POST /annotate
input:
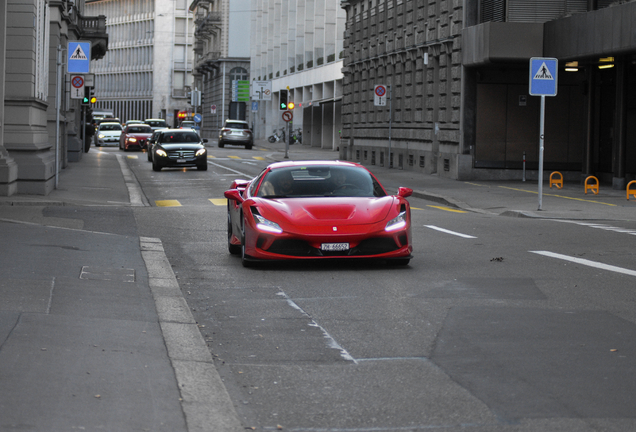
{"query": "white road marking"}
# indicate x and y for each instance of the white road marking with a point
(601, 226)
(586, 262)
(331, 342)
(230, 169)
(449, 232)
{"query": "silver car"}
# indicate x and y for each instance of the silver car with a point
(108, 133)
(236, 132)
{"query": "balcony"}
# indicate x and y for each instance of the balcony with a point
(93, 29)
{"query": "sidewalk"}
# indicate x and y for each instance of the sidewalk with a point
(504, 197)
(94, 331)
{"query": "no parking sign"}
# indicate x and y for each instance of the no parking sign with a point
(379, 95)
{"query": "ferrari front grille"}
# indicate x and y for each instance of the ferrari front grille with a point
(300, 248)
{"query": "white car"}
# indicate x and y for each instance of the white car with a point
(108, 134)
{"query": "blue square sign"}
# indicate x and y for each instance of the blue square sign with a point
(543, 76)
(79, 57)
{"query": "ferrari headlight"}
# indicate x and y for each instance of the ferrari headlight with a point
(267, 225)
(161, 153)
(200, 152)
(396, 223)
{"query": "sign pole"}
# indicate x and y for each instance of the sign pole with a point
(390, 123)
(541, 146)
(543, 82)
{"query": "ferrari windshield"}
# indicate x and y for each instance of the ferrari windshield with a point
(319, 181)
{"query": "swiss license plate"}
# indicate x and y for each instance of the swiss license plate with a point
(181, 160)
(334, 246)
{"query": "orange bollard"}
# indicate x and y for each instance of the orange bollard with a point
(592, 187)
(558, 182)
(631, 191)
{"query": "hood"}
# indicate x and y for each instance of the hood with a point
(109, 133)
(325, 211)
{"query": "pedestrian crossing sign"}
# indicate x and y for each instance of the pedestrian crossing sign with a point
(543, 76)
(78, 60)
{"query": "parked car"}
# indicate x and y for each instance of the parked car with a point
(299, 210)
(179, 148)
(135, 136)
(236, 132)
(156, 124)
(129, 122)
(107, 133)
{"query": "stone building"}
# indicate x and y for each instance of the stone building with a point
(221, 53)
(297, 45)
(457, 72)
(40, 125)
(147, 71)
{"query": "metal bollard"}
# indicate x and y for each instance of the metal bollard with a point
(524, 167)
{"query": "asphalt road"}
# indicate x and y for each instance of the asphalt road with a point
(492, 327)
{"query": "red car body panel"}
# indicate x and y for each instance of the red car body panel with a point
(302, 225)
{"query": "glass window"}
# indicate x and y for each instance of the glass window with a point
(319, 181)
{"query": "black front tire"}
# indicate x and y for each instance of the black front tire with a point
(244, 258)
(156, 166)
(202, 167)
(221, 144)
(232, 248)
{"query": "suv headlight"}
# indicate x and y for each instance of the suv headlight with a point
(200, 152)
(161, 153)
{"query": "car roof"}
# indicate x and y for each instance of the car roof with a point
(110, 123)
(153, 119)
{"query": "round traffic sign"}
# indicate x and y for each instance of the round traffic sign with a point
(288, 116)
(197, 118)
(380, 90)
(78, 81)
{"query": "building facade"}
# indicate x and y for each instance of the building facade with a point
(222, 62)
(458, 76)
(297, 45)
(147, 71)
(40, 125)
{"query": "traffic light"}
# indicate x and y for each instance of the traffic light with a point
(93, 98)
(87, 96)
(290, 105)
(283, 100)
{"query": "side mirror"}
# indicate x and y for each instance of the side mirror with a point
(205, 140)
(405, 192)
(234, 195)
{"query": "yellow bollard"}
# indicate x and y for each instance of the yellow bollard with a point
(558, 182)
(592, 187)
(631, 191)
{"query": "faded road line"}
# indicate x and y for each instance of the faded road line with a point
(586, 262)
(449, 232)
